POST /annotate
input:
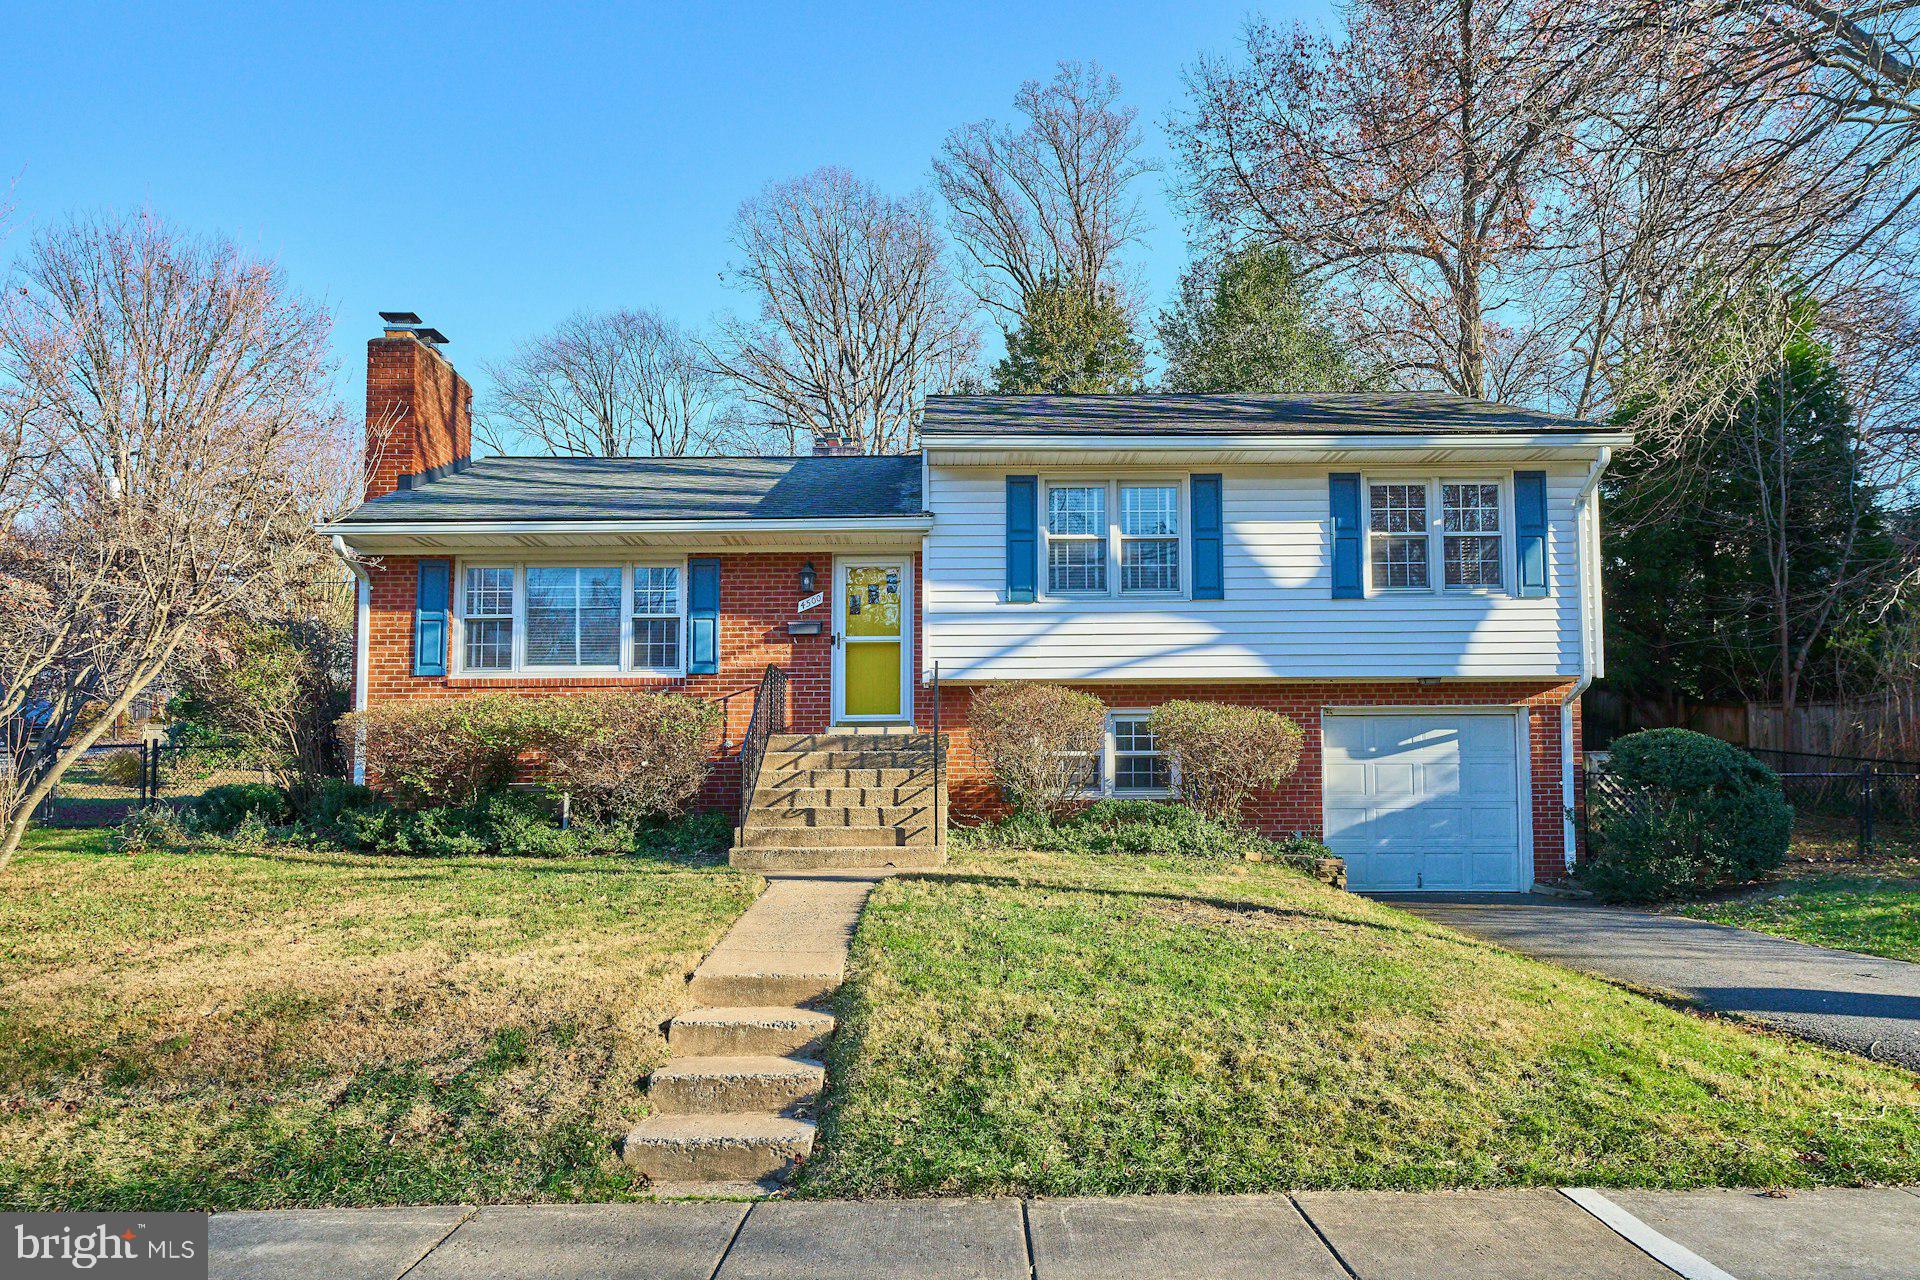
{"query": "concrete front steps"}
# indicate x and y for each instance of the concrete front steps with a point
(848, 798)
(735, 1101)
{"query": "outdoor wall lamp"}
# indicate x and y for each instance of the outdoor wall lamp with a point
(806, 578)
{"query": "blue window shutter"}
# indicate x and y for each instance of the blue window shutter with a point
(1209, 576)
(1023, 537)
(1343, 496)
(432, 591)
(1530, 526)
(703, 616)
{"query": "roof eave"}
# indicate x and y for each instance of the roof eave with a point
(452, 528)
(1277, 444)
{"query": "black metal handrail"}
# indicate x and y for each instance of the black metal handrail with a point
(769, 717)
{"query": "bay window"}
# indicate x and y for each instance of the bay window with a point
(548, 618)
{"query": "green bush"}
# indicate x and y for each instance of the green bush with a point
(152, 829)
(625, 756)
(222, 809)
(1141, 827)
(701, 833)
(1223, 753)
(123, 769)
(441, 752)
(1683, 813)
(1039, 740)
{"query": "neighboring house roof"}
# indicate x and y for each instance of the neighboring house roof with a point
(1385, 413)
(574, 489)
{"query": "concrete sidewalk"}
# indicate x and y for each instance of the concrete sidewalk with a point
(1860, 1003)
(1849, 1234)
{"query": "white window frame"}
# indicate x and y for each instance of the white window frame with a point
(458, 617)
(1436, 535)
(520, 669)
(1104, 786)
(1113, 484)
(629, 615)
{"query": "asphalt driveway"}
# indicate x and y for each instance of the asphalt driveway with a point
(1860, 1003)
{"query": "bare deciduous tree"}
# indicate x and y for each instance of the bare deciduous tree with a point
(1052, 199)
(182, 394)
(615, 384)
(856, 318)
(1409, 161)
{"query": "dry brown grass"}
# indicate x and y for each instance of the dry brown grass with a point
(456, 1030)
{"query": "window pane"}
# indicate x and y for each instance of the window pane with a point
(1149, 510)
(1399, 562)
(1140, 773)
(1473, 561)
(489, 644)
(1150, 564)
(656, 643)
(1132, 735)
(489, 591)
(1397, 508)
(656, 591)
(1470, 508)
(599, 617)
(1076, 509)
(551, 601)
(1077, 565)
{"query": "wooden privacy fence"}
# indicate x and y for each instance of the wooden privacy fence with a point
(1887, 728)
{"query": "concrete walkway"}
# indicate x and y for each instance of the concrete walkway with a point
(1850, 1001)
(1859, 1234)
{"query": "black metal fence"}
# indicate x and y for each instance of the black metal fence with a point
(112, 779)
(1869, 804)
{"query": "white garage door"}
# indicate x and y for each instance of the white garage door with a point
(1424, 800)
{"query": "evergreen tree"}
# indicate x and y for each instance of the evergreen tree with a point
(1071, 341)
(1248, 323)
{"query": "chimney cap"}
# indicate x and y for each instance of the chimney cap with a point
(399, 322)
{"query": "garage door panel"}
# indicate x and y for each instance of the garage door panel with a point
(1423, 800)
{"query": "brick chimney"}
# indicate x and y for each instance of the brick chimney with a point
(829, 442)
(419, 411)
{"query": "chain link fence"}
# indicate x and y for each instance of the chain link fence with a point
(113, 779)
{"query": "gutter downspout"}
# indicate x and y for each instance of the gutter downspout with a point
(1586, 516)
(362, 611)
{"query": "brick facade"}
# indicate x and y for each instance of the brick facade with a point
(1296, 805)
(758, 590)
(419, 413)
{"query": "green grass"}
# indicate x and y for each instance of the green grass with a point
(1063, 1024)
(215, 1030)
(1827, 895)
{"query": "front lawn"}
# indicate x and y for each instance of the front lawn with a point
(1063, 1024)
(223, 1030)
(1826, 895)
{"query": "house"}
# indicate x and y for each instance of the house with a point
(1413, 578)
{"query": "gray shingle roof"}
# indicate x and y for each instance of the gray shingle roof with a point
(1391, 412)
(658, 489)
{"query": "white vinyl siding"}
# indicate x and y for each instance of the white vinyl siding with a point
(1277, 619)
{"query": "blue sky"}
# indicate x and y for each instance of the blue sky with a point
(495, 167)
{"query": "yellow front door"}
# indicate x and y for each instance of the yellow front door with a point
(871, 616)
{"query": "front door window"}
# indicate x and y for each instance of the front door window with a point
(871, 622)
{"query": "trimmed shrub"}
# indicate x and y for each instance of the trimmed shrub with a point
(440, 752)
(1684, 814)
(222, 809)
(1150, 827)
(626, 757)
(1222, 754)
(1038, 739)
